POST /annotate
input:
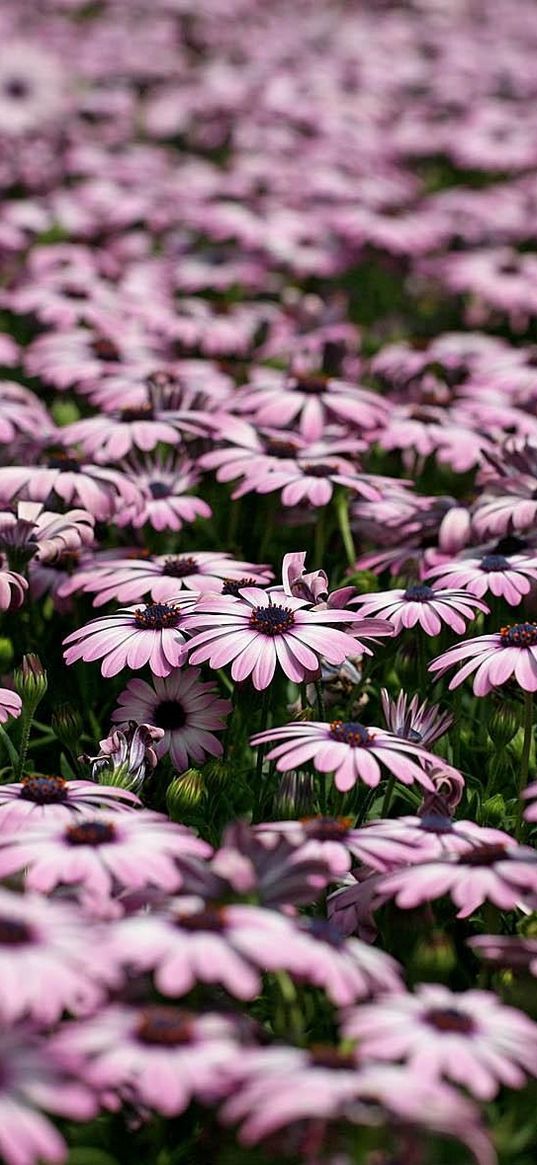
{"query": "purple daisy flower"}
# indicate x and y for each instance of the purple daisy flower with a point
(470, 1037)
(421, 604)
(508, 577)
(128, 580)
(40, 798)
(257, 633)
(421, 723)
(510, 652)
(187, 710)
(349, 750)
(501, 873)
(133, 637)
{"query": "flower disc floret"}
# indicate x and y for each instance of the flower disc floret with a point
(448, 1019)
(14, 933)
(420, 593)
(519, 635)
(44, 790)
(156, 616)
(164, 1027)
(494, 562)
(272, 620)
(91, 833)
(179, 567)
(348, 732)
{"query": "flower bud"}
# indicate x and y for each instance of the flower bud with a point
(30, 681)
(185, 793)
(503, 725)
(66, 723)
(216, 775)
(295, 796)
(435, 956)
(365, 581)
(126, 756)
(6, 654)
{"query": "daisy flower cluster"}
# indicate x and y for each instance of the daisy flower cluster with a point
(268, 582)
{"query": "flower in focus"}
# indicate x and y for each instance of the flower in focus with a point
(421, 723)
(495, 658)
(349, 750)
(420, 604)
(470, 1037)
(125, 755)
(133, 637)
(257, 633)
(10, 704)
(186, 711)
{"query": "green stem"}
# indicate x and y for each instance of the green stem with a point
(258, 791)
(320, 701)
(27, 722)
(10, 748)
(320, 536)
(342, 511)
(525, 758)
(388, 797)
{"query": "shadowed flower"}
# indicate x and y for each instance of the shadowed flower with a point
(125, 755)
(506, 951)
(44, 798)
(510, 652)
(509, 577)
(502, 873)
(420, 604)
(133, 637)
(472, 1038)
(421, 723)
(186, 711)
(12, 590)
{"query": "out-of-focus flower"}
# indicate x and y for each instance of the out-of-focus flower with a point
(36, 532)
(32, 92)
(422, 605)
(502, 873)
(12, 590)
(163, 499)
(39, 797)
(186, 711)
(510, 577)
(10, 704)
(503, 950)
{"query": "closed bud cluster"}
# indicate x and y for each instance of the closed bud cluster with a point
(30, 681)
(216, 775)
(185, 793)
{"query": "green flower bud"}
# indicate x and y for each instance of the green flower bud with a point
(66, 723)
(185, 793)
(295, 796)
(6, 654)
(503, 725)
(65, 412)
(364, 580)
(435, 956)
(30, 681)
(216, 775)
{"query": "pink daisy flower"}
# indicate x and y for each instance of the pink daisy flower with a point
(10, 704)
(128, 580)
(133, 637)
(95, 488)
(163, 500)
(389, 843)
(495, 658)
(36, 532)
(421, 723)
(503, 874)
(506, 951)
(349, 750)
(309, 400)
(13, 588)
(309, 478)
(34, 1077)
(100, 853)
(472, 1038)
(257, 634)
(510, 578)
(44, 941)
(157, 1057)
(188, 711)
(270, 868)
(44, 798)
(422, 605)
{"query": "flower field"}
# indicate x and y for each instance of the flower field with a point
(268, 582)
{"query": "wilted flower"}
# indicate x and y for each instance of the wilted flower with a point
(126, 756)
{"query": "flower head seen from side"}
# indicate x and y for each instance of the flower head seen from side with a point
(510, 577)
(421, 605)
(349, 750)
(187, 711)
(421, 723)
(495, 659)
(472, 1037)
(126, 756)
(133, 637)
(256, 633)
(33, 532)
(163, 576)
(42, 798)
(13, 588)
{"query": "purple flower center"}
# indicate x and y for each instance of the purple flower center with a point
(142, 413)
(170, 715)
(485, 855)
(420, 593)
(311, 385)
(327, 828)
(331, 1058)
(448, 1019)
(211, 918)
(282, 449)
(179, 567)
(14, 933)
(165, 1026)
(64, 462)
(17, 88)
(156, 617)
(232, 586)
(493, 562)
(91, 833)
(272, 620)
(159, 490)
(349, 732)
(44, 790)
(519, 635)
(318, 470)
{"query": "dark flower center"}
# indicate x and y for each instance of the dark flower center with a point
(484, 855)
(105, 349)
(64, 462)
(159, 490)
(273, 620)
(169, 715)
(317, 470)
(17, 88)
(519, 635)
(311, 385)
(179, 567)
(156, 617)
(142, 413)
(91, 833)
(494, 562)
(448, 1019)
(327, 828)
(14, 933)
(321, 1057)
(349, 732)
(232, 586)
(420, 593)
(210, 918)
(165, 1026)
(284, 449)
(44, 790)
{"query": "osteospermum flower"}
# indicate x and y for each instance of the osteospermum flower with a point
(12, 589)
(46, 798)
(349, 750)
(310, 401)
(98, 489)
(503, 950)
(133, 637)
(187, 710)
(100, 853)
(472, 1038)
(422, 605)
(503, 874)
(36, 532)
(421, 723)
(161, 578)
(510, 652)
(10, 704)
(257, 633)
(163, 501)
(44, 941)
(509, 577)
(158, 1057)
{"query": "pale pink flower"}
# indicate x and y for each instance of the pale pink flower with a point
(470, 1037)
(38, 798)
(349, 750)
(10, 704)
(163, 499)
(98, 489)
(505, 950)
(31, 88)
(495, 658)
(502, 873)
(187, 711)
(308, 401)
(511, 578)
(423, 606)
(162, 576)
(257, 634)
(133, 637)
(33, 532)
